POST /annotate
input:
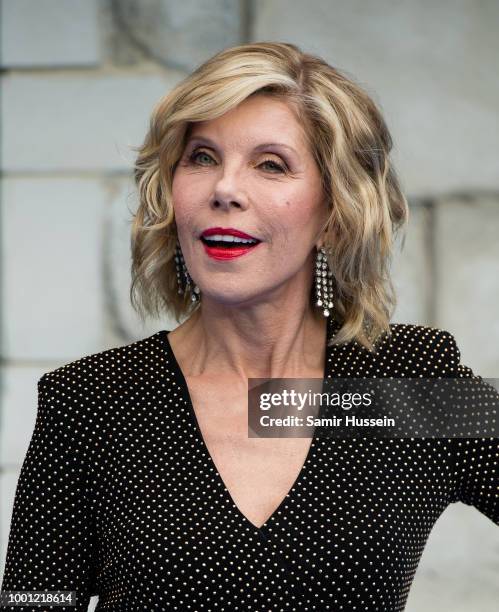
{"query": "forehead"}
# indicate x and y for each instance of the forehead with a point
(256, 118)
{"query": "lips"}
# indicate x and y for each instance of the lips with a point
(227, 250)
(227, 231)
(227, 243)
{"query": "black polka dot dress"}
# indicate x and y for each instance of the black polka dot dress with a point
(118, 495)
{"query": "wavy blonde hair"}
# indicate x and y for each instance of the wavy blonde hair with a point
(350, 143)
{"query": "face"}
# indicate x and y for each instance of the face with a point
(250, 170)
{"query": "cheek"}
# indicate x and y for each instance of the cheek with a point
(183, 197)
(314, 208)
(301, 211)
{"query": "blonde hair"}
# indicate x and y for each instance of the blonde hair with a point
(350, 143)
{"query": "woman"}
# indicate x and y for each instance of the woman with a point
(268, 205)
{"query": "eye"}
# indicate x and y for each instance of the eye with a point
(197, 154)
(193, 157)
(274, 164)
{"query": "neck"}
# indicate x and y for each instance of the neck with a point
(245, 344)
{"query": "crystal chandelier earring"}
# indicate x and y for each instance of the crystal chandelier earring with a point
(323, 282)
(187, 285)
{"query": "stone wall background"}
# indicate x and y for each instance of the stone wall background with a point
(79, 79)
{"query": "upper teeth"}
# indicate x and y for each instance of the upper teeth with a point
(228, 238)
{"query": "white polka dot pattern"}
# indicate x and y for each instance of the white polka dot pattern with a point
(118, 495)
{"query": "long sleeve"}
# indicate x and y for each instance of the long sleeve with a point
(476, 460)
(51, 541)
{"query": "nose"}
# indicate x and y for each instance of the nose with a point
(224, 203)
(228, 192)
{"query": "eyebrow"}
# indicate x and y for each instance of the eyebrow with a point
(260, 147)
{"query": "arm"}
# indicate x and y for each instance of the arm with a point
(51, 541)
(476, 460)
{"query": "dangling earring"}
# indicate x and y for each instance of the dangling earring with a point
(181, 268)
(323, 282)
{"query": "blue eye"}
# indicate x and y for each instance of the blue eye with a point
(276, 168)
(194, 155)
(275, 164)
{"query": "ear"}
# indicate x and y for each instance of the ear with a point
(320, 242)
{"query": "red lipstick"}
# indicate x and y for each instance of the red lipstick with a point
(228, 231)
(221, 247)
(227, 253)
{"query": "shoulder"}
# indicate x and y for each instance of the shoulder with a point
(81, 399)
(408, 349)
(108, 370)
(413, 335)
(427, 350)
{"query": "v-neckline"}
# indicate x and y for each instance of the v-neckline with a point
(194, 421)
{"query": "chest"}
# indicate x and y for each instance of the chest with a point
(257, 472)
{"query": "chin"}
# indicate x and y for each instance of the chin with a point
(230, 298)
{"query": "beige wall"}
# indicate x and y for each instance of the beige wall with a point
(78, 87)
